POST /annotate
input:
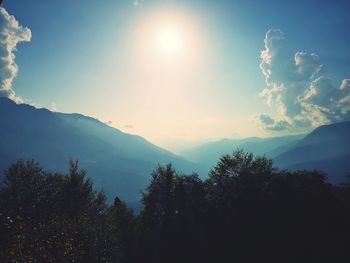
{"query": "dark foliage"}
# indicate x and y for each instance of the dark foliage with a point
(48, 217)
(246, 211)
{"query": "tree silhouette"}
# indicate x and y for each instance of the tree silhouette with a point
(245, 211)
(47, 217)
(123, 232)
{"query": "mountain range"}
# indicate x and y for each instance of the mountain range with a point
(208, 154)
(121, 163)
(327, 148)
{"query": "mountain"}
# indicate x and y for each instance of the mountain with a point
(208, 154)
(327, 148)
(118, 162)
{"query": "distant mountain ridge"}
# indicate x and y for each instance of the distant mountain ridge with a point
(327, 148)
(208, 154)
(118, 162)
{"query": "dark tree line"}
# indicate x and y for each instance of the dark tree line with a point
(246, 211)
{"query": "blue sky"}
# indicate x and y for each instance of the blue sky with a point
(84, 57)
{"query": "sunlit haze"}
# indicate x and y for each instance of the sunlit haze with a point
(179, 73)
(175, 131)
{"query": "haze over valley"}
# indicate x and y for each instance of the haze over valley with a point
(174, 131)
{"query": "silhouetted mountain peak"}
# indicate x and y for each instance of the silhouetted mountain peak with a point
(6, 100)
(80, 117)
(329, 132)
(118, 162)
(324, 147)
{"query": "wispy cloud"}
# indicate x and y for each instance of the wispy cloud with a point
(296, 89)
(137, 2)
(11, 33)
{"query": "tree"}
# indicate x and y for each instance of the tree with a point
(48, 217)
(254, 206)
(27, 200)
(246, 211)
(171, 216)
(122, 225)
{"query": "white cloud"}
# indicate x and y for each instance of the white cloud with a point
(345, 84)
(270, 124)
(343, 98)
(308, 65)
(297, 90)
(11, 33)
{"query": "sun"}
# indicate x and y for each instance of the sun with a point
(167, 41)
(170, 41)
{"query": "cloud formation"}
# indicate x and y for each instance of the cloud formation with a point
(11, 33)
(270, 124)
(296, 89)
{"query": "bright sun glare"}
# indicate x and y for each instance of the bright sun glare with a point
(167, 51)
(167, 38)
(170, 41)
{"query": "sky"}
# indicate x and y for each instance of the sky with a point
(181, 72)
